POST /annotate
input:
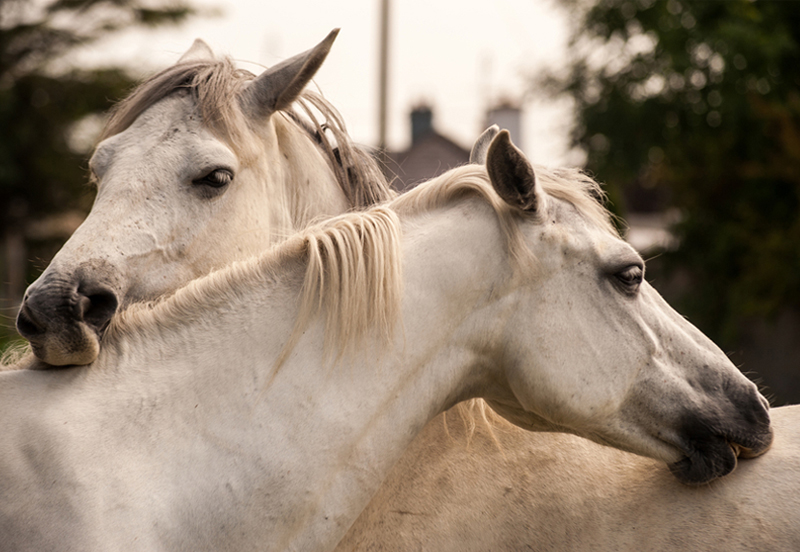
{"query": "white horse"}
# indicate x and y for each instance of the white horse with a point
(463, 486)
(203, 164)
(216, 418)
(134, 244)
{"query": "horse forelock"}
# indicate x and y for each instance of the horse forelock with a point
(582, 191)
(215, 85)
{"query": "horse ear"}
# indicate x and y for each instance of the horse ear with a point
(280, 85)
(478, 154)
(512, 174)
(199, 51)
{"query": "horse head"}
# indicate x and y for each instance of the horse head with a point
(202, 165)
(612, 361)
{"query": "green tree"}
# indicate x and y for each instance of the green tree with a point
(696, 105)
(42, 97)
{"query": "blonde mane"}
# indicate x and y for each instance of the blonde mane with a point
(215, 85)
(571, 185)
(461, 182)
(354, 276)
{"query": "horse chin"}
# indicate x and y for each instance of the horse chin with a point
(702, 468)
(715, 461)
(78, 345)
(710, 456)
(745, 452)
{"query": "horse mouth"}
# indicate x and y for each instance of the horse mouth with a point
(717, 458)
(78, 344)
(745, 452)
(65, 327)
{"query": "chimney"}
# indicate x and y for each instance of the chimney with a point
(421, 122)
(508, 116)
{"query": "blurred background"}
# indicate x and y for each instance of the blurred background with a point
(689, 112)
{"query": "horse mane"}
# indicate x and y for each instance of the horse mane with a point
(465, 181)
(214, 85)
(353, 275)
(358, 173)
(571, 185)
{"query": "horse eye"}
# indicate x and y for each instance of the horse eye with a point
(631, 278)
(218, 178)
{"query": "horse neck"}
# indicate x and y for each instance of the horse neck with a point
(324, 434)
(310, 185)
(365, 412)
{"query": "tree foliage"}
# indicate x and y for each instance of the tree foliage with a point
(40, 101)
(696, 105)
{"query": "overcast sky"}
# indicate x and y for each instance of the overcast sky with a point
(456, 55)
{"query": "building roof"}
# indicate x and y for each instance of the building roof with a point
(429, 155)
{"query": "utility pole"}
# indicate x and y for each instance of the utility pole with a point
(383, 83)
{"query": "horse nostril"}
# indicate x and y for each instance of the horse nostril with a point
(96, 309)
(26, 325)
